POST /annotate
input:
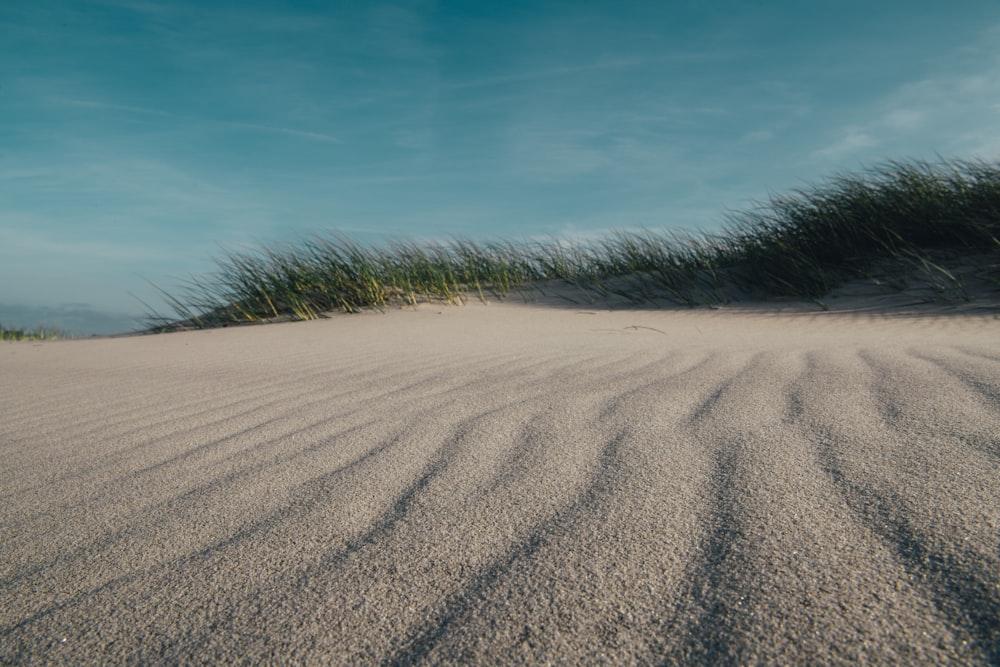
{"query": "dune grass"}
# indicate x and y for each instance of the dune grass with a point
(37, 333)
(898, 217)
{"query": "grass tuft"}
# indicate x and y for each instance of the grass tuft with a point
(900, 217)
(38, 333)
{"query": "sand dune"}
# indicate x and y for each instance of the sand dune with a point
(507, 484)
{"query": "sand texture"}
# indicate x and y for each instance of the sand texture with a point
(504, 483)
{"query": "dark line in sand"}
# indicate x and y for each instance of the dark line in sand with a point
(294, 507)
(962, 593)
(716, 579)
(715, 591)
(459, 604)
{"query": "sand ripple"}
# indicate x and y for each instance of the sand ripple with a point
(506, 484)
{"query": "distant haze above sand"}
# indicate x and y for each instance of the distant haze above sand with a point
(138, 137)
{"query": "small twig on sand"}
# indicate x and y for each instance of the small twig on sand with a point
(638, 326)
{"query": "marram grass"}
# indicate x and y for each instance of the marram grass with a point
(39, 333)
(905, 215)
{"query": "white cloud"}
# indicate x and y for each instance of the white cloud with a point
(904, 119)
(851, 140)
(950, 111)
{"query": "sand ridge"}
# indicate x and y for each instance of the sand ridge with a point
(507, 484)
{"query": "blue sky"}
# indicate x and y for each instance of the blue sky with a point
(139, 137)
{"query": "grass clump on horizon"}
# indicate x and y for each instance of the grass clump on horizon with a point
(38, 333)
(899, 216)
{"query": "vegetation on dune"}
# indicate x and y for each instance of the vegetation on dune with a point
(898, 217)
(40, 333)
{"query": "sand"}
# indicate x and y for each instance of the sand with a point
(507, 483)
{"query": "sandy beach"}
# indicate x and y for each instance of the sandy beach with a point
(507, 484)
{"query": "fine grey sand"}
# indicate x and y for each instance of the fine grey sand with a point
(507, 484)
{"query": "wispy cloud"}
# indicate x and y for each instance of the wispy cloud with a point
(301, 134)
(192, 121)
(28, 238)
(931, 113)
(143, 207)
(851, 140)
(904, 119)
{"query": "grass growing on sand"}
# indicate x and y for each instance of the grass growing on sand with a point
(896, 220)
(39, 333)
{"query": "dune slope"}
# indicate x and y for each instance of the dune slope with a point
(507, 483)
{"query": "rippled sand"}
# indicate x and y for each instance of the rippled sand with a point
(507, 484)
